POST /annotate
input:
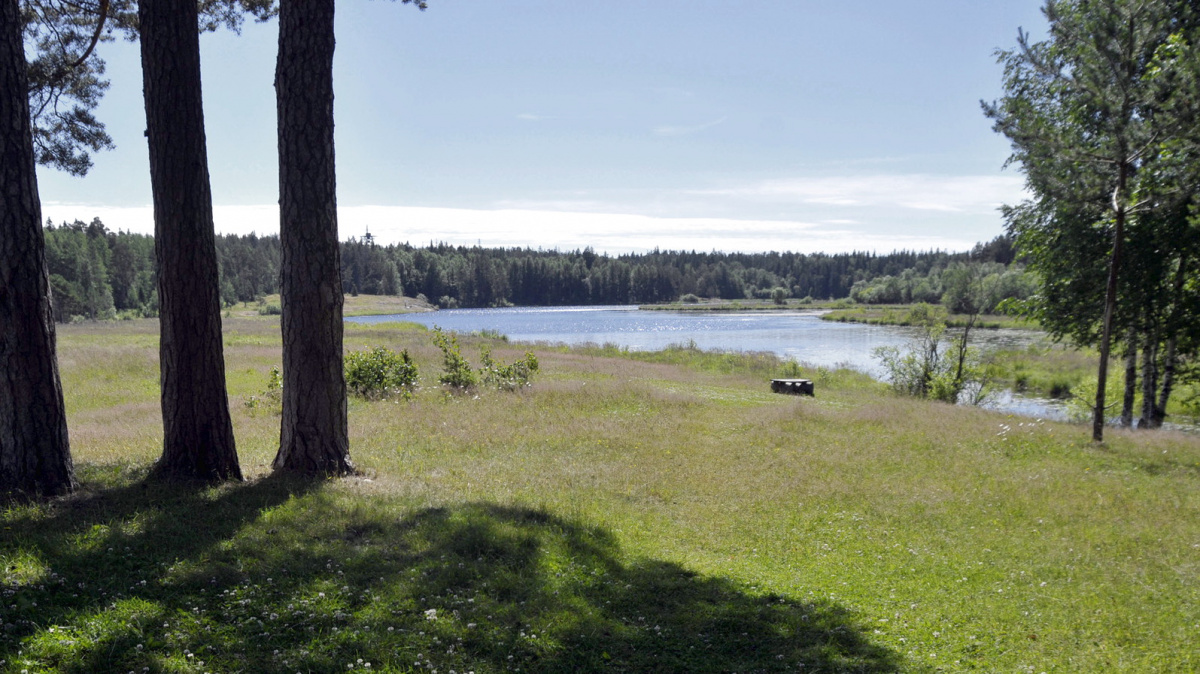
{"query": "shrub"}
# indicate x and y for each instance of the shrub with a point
(779, 296)
(791, 370)
(925, 369)
(380, 373)
(509, 377)
(271, 398)
(456, 371)
(269, 309)
(689, 299)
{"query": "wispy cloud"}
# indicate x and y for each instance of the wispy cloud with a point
(686, 130)
(922, 192)
(606, 232)
(530, 117)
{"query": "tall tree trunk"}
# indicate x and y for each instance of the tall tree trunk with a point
(1130, 378)
(313, 438)
(1168, 383)
(1110, 299)
(197, 433)
(963, 345)
(35, 455)
(1149, 381)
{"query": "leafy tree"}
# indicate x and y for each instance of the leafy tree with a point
(1082, 113)
(35, 453)
(456, 371)
(66, 80)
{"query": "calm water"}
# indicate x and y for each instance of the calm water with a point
(799, 335)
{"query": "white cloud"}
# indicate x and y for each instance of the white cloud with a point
(530, 117)
(686, 130)
(947, 194)
(566, 230)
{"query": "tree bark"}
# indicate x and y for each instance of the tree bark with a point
(314, 435)
(35, 455)
(1149, 381)
(1110, 299)
(1130, 378)
(1170, 358)
(198, 438)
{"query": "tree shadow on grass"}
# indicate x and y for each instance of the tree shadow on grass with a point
(284, 576)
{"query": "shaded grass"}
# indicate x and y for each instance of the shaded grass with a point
(293, 576)
(855, 531)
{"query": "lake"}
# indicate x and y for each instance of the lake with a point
(800, 335)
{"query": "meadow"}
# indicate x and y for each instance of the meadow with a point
(627, 512)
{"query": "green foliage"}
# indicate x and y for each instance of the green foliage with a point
(1080, 405)
(456, 371)
(515, 375)
(930, 368)
(269, 309)
(791, 370)
(269, 399)
(779, 295)
(689, 298)
(380, 373)
(964, 287)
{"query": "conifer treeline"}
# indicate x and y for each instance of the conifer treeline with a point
(97, 273)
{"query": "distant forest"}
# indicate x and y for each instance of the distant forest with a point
(99, 274)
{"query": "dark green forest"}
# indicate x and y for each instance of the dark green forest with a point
(97, 273)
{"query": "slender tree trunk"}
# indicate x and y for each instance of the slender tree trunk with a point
(35, 455)
(1168, 383)
(197, 433)
(1149, 381)
(962, 356)
(313, 437)
(1130, 378)
(1110, 300)
(1170, 357)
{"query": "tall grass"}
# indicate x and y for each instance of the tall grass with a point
(631, 511)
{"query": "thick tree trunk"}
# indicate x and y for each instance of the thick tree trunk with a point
(1130, 378)
(313, 438)
(197, 433)
(35, 456)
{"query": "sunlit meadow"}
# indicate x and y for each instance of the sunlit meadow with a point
(626, 512)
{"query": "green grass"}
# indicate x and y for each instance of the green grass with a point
(900, 314)
(629, 512)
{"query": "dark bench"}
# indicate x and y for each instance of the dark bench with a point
(793, 386)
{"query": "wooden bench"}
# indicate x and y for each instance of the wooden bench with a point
(793, 386)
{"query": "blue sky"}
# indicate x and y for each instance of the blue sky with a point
(626, 125)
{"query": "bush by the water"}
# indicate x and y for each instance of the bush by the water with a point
(456, 371)
(929, 368)
(380, 373)
(507, 377)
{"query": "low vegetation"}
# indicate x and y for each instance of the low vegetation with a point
(902, 314)
(380, 373)
(630, 511)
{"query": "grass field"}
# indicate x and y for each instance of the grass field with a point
(628, 512)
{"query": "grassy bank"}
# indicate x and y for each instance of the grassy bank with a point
(900, 314)
(629, 512)
(744, 305)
